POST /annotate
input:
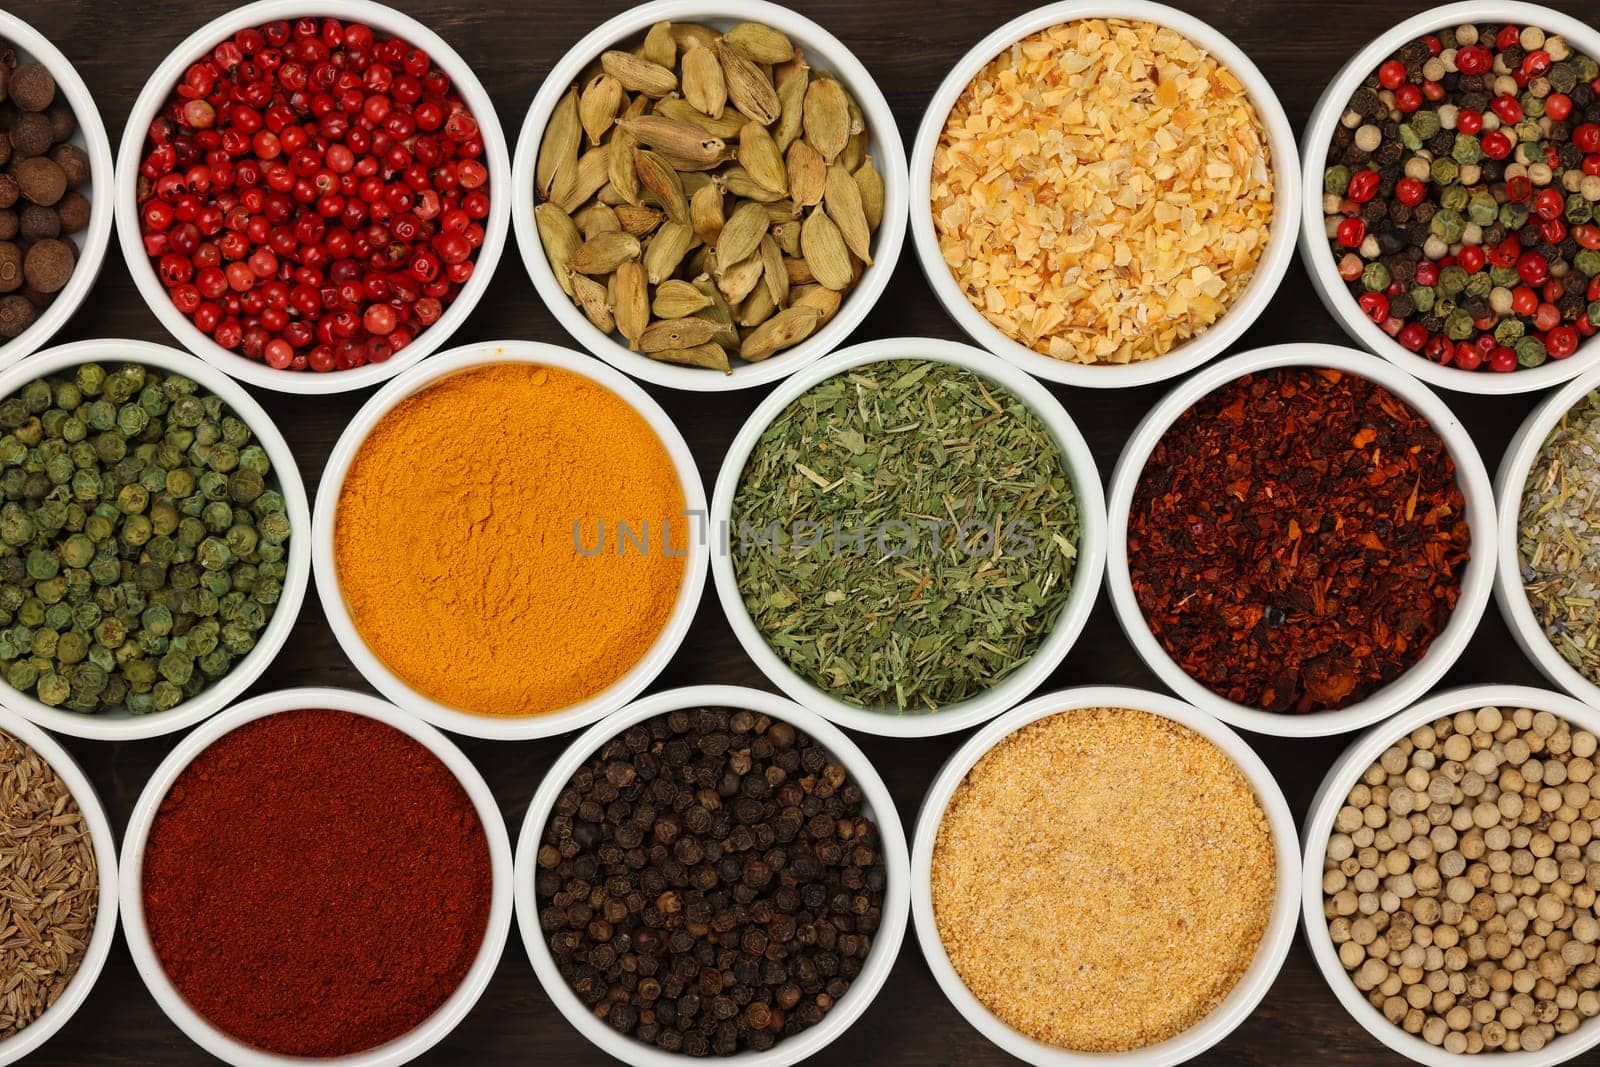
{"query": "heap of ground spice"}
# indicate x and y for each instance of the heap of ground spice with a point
(1102, 878)
(1297, 539)
(316, 883)
(479, 539)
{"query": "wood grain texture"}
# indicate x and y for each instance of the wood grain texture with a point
(908, 45)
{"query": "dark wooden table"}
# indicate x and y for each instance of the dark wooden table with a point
(908, 45)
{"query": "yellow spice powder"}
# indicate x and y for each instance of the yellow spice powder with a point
(1102, 878)
(455, 547)
(1102, 191)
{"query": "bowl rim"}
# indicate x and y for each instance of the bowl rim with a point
(1206, 344)
(30, 1038)
(1476, 584)
(887, 152)
(389, 22)
(1344, 773)
(1275, 941)
(879, 805)
(112, 351)
(1511, 482)
(1314, 254)
(94, 238)
(378, 674)
(1069, 624)
(445, 1018)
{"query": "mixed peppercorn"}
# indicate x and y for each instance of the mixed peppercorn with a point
(313, 197)
(1462, 197)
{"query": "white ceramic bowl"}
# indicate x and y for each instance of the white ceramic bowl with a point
(121, 726)
(105, 857)
(200, 1030)
(443, 715)
(1203, 346)
(91, 137)
(827, 54)
(1509, 483)
(1476, 582)
(1270, 954)
(878, 805)
(1342, 776)
(387, 22)
(1319, 260)
(1086, 579)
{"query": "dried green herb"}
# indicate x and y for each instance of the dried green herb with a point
(905, 534)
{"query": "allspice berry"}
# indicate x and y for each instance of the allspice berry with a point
(16, 315)
(48, 265)
(32, 87)
(5, 81)
(73, 210)
(63, 123)
(74, 162)
(10, 224)
(10, 191)
(10, 267)
(41, 180)
(39, 223)
(31, 135)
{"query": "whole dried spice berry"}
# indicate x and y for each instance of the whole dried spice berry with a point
(709, 882)
(1297, 538)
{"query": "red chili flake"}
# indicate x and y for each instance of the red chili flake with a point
(1297, 539)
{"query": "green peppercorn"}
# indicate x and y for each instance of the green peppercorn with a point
(1444, 170)
(1588, 261)
(1482, 208)
(1375, 277)
(1508, 330)
(1530, 352)
(1335, 180)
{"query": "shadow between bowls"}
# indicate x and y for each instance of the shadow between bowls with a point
(376, 672)
(1202, 347)
(388, 22)
(878, 805)
(120, 725)
(826, 53)
(1270, 954)
(200, 1030)
(1015, 687)
(1476, 583)
(1330, 796)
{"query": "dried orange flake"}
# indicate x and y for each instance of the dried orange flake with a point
(1102, 191)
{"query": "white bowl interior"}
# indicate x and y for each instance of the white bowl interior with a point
(386, 681)
(1477, 580)
(198, 1028)
(1330, 796)
(1269, 956)
(878, 806)
(388, 23)
(1074, 614)
(120, 725)
(91, 137)
(826, 53)
(1318, 259)
(1203, 346)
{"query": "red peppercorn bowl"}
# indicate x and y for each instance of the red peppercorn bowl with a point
(826, 53)
(878, 804)
(1476, 584)
(1269, 956)
(1016, 686)
(31, 1037)
(122, 726)
(1318, 827)
(91, 137)
(1319, 261)
(1198, 349)
(374, 670)
(199, 1029)
(388, 23)
(1510, 482)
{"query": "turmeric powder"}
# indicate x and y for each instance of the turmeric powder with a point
(465, 540)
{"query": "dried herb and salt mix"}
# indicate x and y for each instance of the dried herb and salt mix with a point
(905, 534)
(142, 543)
(1069, 855)
(710, 882)
(1460, 879)
(1297, 538)
(1558, 540)
(1462, 196)
(707, 196)
(49, 886)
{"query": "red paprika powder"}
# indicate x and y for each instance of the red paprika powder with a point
(1297, 539)
(316, 883)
